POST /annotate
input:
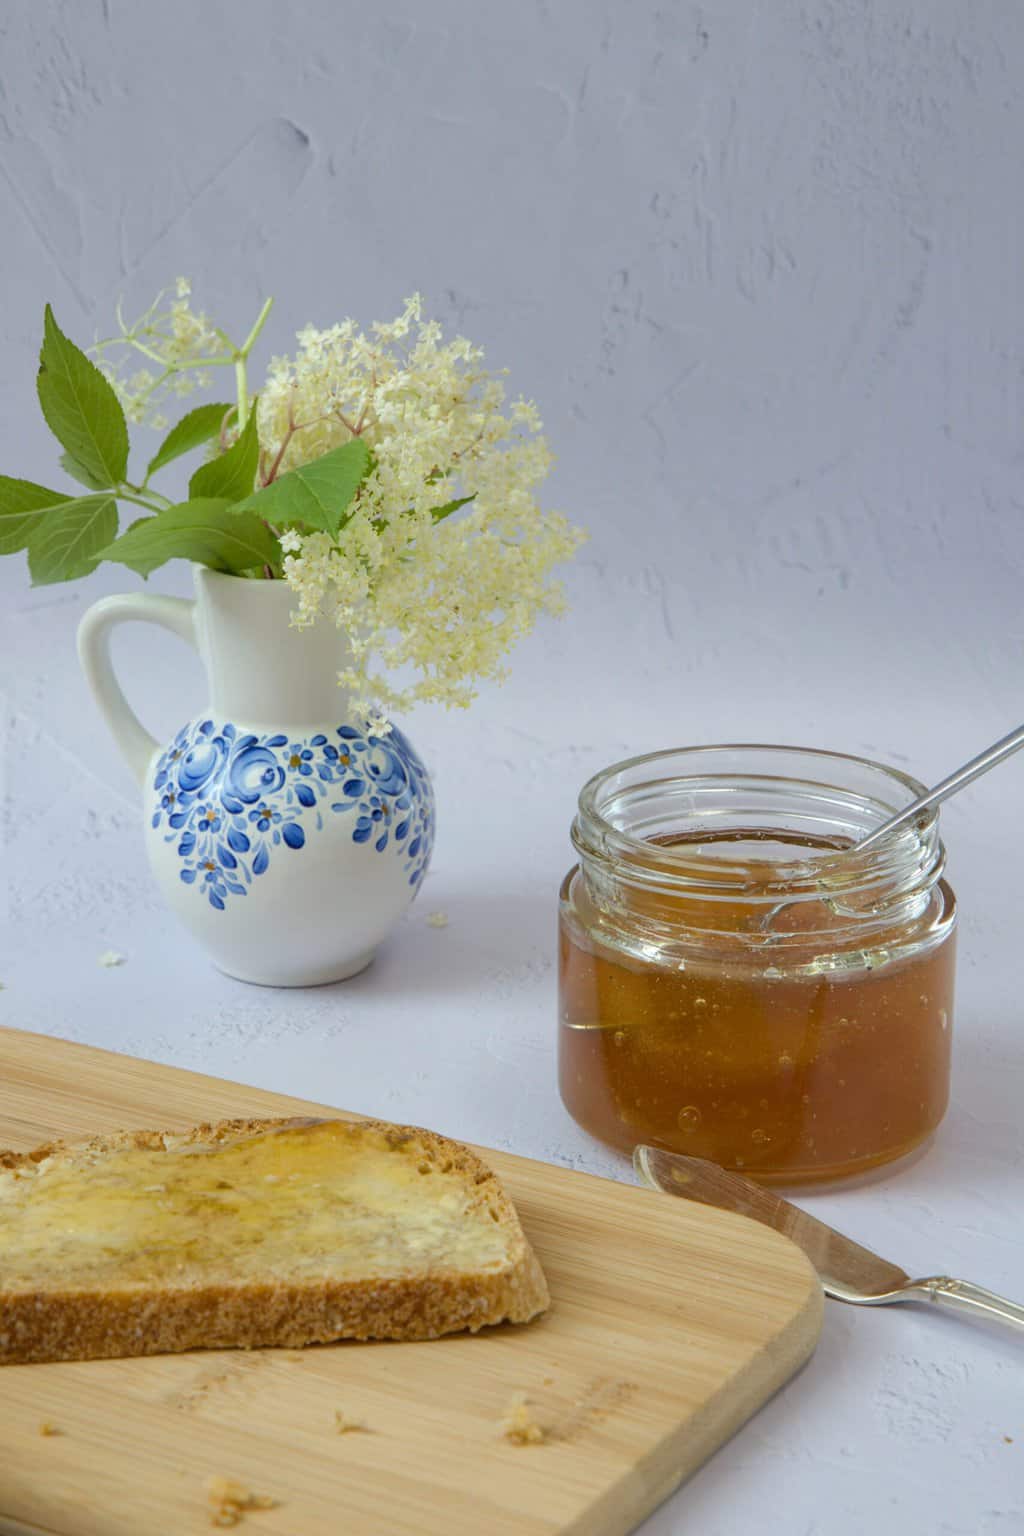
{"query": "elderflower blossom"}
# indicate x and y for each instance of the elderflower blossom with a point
(180, 346)
(421, 588)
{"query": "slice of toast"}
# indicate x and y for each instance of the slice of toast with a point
(254, 1233)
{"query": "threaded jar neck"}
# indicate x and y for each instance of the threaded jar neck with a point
(750, 846)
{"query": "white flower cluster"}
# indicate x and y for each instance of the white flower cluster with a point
(181, 345)
(434, 595)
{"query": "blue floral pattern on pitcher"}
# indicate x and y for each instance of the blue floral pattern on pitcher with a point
(228, 798)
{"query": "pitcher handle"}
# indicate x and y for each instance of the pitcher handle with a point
(174, 613)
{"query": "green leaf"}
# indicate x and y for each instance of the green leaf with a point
(22, 507)
(81, 408)
(317, 494)
(68, 541)
(82, 475)
(192, 431)
(230, 475)
(440, 513)
(208, 530)
(141, 563)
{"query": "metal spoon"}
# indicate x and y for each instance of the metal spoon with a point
(996, 753)
(999, 750)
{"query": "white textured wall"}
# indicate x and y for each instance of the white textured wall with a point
(760, 264)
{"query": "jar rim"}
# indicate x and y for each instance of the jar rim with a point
(914, 853)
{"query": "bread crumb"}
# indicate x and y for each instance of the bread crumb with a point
(48, 1427)
(519, 1426)
(348, 1426)
(111, 958)
(229, 1500)
(1008, 1439)
(437, 919)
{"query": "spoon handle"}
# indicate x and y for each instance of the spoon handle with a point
(972, 770)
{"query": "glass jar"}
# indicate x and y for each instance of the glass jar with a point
(736, 986)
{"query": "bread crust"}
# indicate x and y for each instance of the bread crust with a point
(83, 1325)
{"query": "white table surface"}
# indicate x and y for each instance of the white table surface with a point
(902, 1421)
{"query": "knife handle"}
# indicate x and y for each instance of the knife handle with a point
(963, 1296)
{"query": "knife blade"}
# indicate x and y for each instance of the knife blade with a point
(842, 1264)
(847, 1271)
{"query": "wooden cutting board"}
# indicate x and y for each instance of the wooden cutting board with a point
(670, 1325)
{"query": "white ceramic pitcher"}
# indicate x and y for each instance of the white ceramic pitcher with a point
(287, 838)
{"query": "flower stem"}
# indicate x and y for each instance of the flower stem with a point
(131, 493)
(147, 491)
(242, 391)
(241, 359)
(261, 320)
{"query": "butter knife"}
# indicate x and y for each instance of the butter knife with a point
(847, 1271)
